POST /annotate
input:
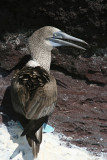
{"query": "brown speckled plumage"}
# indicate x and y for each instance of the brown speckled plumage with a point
(32, 78)
(31, 85)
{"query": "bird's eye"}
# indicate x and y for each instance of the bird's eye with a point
(55, 35)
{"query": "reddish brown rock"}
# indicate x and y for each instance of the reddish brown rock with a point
(81, 112)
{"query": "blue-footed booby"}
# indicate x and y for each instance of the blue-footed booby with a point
(33, 88)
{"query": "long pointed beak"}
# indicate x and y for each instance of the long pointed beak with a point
(56, 40)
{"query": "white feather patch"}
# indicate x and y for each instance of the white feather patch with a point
(32, 63)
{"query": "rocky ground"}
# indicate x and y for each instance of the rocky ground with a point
(81, 110)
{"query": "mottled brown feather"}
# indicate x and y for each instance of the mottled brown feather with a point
(34, 92)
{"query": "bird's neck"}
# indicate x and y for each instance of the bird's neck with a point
(40, 51)
(41, 59)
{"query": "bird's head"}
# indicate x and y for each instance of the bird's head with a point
(53, 37)
(45, 39)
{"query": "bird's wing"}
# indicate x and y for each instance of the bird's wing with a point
(34, 93)
(43, 101)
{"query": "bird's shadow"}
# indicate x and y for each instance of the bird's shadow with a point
(23, 149)
(9, 118)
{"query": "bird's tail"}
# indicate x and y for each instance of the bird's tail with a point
(33, 132)
(36, 144)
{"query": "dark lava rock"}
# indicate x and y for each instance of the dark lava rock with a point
(85, 19)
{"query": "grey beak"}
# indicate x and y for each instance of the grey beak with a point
(56, 40)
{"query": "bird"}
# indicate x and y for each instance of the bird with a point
(33, 88)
